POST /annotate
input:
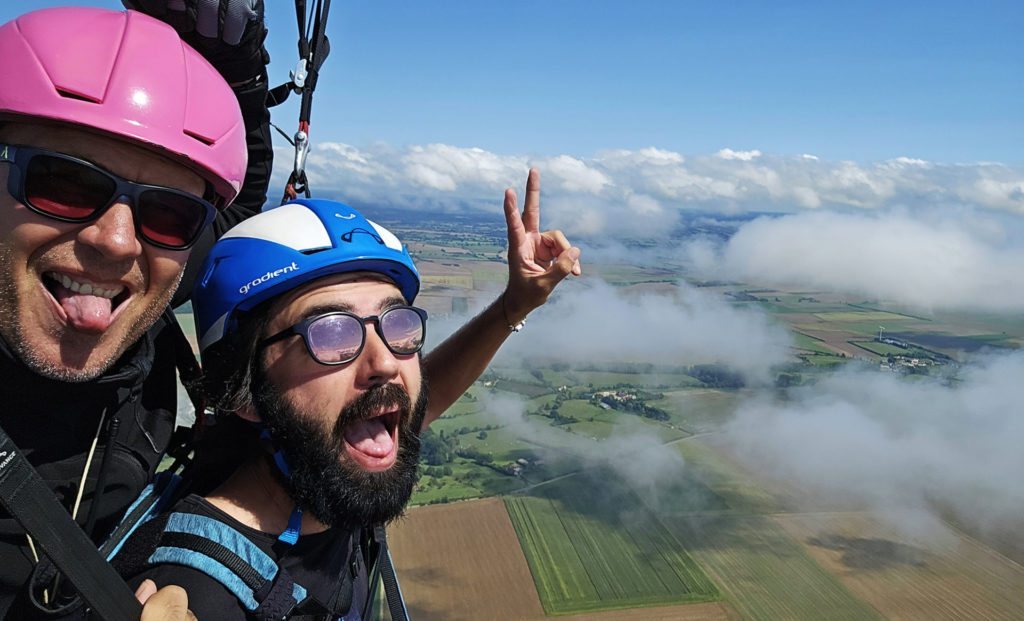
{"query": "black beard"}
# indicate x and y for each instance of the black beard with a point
(323, 480)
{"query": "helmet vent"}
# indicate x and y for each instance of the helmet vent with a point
(78, 96)
(201, 139)
(314, 250)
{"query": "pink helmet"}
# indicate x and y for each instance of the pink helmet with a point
(128, 75)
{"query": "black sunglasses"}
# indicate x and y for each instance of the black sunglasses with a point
(72, 190)
(339, 337)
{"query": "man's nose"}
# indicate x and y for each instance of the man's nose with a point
(378, 365)
(113, 233)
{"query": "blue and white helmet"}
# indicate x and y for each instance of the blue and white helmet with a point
(285, 247)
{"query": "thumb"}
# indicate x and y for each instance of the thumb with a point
(168, 604)
(145, 590)
(563, 266)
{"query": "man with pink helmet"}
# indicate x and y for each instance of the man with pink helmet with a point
(120, 145)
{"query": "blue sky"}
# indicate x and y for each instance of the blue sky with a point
(864, 81)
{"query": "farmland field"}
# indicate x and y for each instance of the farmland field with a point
(964, 580)
(471, 568)
(883, 349)
(764, 573)
(582, 563)
(861, 315)
(592, 545)
(808, 343)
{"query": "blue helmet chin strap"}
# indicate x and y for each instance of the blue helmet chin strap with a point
(290, 534)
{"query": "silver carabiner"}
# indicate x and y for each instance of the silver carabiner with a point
(298, 75)
(301, 151)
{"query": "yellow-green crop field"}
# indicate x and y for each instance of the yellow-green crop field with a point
(877, 316)
(583, 562)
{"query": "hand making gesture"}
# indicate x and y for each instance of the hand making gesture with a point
(537, 261)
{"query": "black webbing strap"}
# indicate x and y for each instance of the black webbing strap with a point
(313, 50)
(384, 570)
(274, 597)
(28, 499)
(314, 46)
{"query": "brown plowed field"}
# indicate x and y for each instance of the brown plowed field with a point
(463, 562)
(961, 580)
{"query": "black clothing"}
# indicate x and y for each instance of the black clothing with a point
(326, 564)
(54, 422)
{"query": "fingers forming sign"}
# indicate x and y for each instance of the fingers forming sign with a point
(537, 261)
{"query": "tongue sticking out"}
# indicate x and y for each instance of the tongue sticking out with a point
(372, 442)
(88, 313)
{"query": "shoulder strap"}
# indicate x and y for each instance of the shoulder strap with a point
(224, 554)
(28, 499)
(184, 439)
(383, 570)
(162, 493)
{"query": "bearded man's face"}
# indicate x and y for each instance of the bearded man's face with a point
(349, 432)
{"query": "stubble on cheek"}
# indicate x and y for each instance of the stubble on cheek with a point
(62, 364)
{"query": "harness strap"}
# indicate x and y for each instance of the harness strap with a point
(221, 552)
(384, 571)
(28, 499)
(154, 499)
(396, 604)
(314, 48)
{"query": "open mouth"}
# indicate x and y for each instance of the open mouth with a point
(87, 307)
(373, 442)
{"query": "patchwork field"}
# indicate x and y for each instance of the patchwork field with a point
(963, 580)
(462, 561)
(584, 562)
(764, 573)
(471, 568)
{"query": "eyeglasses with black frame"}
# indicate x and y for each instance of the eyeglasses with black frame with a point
(338, 337)
(70, 189)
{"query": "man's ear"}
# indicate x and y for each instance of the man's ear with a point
(248, 412)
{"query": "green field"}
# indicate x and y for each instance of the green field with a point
(883, 349)
(590, 552)
(765, 574)
(809, 343)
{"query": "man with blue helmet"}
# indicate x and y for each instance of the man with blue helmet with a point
(310, 347)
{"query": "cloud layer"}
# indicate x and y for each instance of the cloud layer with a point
(930, 236)
(614, 185)
(954, 261)
(877, 442)
(589, 322)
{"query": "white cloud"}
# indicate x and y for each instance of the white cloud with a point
(573, 175)
(445, 167)
(746, 156)
(960, 263)
(727, 181)
(588, 321)
(874, 440)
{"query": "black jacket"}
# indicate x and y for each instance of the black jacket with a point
(54, 422)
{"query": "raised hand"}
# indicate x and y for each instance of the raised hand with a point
(537, 261)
